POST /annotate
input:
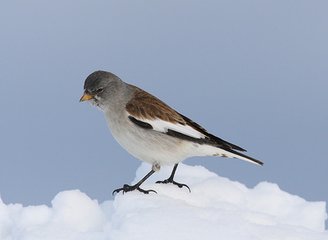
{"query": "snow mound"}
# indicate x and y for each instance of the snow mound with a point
(217, 208)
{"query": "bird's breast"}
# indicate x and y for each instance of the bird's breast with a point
(146, 144)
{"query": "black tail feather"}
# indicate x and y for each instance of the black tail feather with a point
(245, 156)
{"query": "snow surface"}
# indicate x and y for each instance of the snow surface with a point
(217, 208)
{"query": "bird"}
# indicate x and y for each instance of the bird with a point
(152, 131)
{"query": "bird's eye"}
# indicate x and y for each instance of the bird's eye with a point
(99, 90)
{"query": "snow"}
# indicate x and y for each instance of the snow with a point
(217, 208)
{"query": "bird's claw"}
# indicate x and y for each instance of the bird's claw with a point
(180, 185)
(128, 188)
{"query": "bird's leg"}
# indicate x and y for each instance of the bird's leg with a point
(170, 179)
(128, 188)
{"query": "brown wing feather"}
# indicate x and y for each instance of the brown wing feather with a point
(147, 106)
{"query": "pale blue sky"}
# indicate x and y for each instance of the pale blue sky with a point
(252, 72)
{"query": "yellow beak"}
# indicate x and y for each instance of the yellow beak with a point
(86, 97)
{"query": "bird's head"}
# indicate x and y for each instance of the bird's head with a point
(98, 87)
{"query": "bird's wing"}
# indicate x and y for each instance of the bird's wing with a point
(212, 137)
(144, 108)
(150, 112)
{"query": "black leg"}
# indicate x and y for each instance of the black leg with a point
(170, 179)
(128, 188)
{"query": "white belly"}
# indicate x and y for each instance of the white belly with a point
(148, 145)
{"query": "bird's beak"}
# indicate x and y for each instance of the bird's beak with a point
(86, 97)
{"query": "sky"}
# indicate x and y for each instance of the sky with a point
(252, 72)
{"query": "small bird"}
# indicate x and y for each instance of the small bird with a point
(150, 130)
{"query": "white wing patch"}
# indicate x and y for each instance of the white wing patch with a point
(163, 126)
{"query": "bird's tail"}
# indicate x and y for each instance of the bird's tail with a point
(207, 150)
(235, 154)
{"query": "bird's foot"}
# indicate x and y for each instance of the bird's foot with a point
(170, 180)
(128, 188)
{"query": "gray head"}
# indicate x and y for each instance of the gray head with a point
(100, 87)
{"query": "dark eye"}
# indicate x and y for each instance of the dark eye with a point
(99, 90)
